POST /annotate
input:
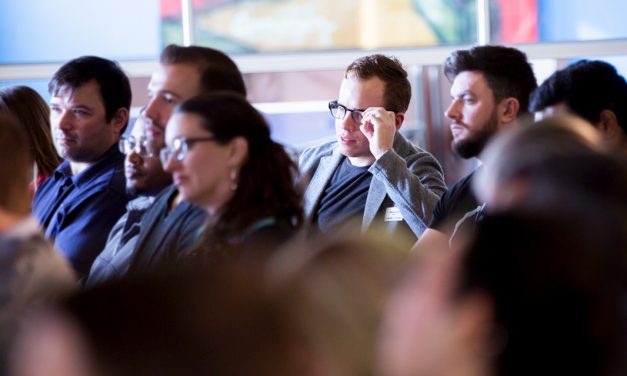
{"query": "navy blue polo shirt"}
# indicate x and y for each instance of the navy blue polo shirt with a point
(77, 212)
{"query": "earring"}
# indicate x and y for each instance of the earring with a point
(233, 179)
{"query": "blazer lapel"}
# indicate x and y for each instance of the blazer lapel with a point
(319, 181)
(377, 192)
(376, 195)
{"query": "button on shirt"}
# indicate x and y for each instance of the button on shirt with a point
(78, 211)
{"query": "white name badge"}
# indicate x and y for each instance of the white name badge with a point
(393, 214)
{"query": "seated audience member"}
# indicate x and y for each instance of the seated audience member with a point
(336, 287)
(371, 173)
(592, 90)
(307, 311)
(145, 178)
(489, 94)
(540, 286)
(557, 161)
(169, 228)
(222, 159)
(85, 196)
(31, 271)
(535, 293)
(30, 110)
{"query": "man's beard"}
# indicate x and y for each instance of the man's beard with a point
(473, 145)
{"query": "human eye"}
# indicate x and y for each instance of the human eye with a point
(169, 98)
(469, 99)
(341, 111)
(54, 108)
(147, 148)
(80, 112)
(179, 147)
(357, 115)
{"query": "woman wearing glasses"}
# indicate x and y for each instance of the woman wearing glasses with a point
(222, 159)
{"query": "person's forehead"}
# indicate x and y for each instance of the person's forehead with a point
(472, 81)
(182, 123)
(177, 78)
(371, 91)
(86, 92)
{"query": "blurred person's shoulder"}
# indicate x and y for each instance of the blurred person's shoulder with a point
(31, 269)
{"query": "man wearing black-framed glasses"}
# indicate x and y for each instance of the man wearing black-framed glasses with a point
(145, 178)
(371, 172)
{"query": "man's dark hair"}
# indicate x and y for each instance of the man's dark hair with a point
(391, 72)
(586, 88)
(115, 88)
(217, 70)
(506, 70)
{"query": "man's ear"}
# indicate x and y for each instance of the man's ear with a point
(119, 120)
(509, 109)
(608, 124)
(238, 151)
(399, 117)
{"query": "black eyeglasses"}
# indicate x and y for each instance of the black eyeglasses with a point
(339, 111)
(142, 146)
(180, 147)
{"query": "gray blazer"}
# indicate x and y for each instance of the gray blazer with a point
(406, 177)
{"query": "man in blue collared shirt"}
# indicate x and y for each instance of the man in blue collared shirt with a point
(80, 202)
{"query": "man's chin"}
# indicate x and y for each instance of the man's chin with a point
(466, 149)
(132, 189)
(348, 151)
(64, 153)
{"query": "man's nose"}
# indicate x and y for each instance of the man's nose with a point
(151, 111)
(64, 120)
(171, 164)
(452, 112)
(134, 158)
(347, 123)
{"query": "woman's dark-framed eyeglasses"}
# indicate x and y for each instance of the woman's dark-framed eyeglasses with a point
(142, 146)
(180, 147)
(339, 112)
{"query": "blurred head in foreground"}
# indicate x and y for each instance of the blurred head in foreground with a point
(309, 311)
(533, 293)
(557, 163)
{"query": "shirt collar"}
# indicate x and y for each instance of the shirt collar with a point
(112, 157)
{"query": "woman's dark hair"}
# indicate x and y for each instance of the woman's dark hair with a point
(32, 113)
(15, 166)
(266, 179)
